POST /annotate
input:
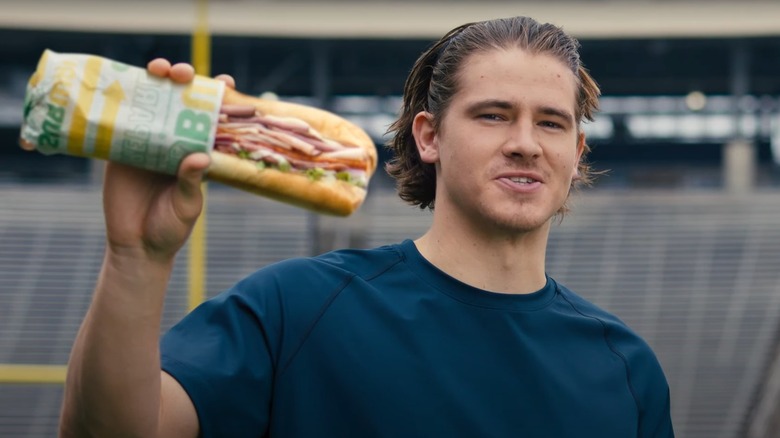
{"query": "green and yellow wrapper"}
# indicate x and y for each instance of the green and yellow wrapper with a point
(90, 106)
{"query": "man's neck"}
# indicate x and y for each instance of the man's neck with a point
(497, 263)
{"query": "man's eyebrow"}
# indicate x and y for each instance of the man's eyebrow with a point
(490, 103)
(557, 112)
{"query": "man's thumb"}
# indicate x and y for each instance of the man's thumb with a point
(191, 172)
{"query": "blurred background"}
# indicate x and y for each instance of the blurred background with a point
(680, 238)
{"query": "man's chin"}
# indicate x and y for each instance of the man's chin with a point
(522, 222)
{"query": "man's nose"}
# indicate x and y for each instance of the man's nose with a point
(522, 141)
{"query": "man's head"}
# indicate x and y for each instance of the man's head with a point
(434, 80)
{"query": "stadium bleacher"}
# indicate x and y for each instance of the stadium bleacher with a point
(696, 274)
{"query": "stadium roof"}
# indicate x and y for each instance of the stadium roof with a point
(398, 19)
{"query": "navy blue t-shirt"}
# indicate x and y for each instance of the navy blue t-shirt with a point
(381, 343)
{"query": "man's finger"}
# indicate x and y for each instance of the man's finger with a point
(227, 79)
(159, 67)
(191, 172)
(182, 72)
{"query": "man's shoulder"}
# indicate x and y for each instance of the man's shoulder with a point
(363, 263)
(622, 338)
(341, 263)
(645, 375)
(587, 308)
(616, 329)
(322, 274)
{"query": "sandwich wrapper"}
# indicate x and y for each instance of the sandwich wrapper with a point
(90, 106)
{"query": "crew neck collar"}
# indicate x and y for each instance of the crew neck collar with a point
(471, 295)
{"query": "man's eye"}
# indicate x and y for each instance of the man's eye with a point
(490, 117)
(549, 124)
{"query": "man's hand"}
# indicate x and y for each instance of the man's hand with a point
(151, 215)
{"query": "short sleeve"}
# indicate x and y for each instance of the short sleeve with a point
(222, 355)
(648, 384)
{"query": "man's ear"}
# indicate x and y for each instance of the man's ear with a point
(425, 137)
(580, 150)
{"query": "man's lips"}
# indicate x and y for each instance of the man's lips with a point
(525, 182)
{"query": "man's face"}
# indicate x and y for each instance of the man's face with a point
(508, 145)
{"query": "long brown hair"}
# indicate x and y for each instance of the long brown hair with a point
(432, 83)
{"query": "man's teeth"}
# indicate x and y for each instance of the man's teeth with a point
(522, 180)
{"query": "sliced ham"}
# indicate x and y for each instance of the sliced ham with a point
(276, 140)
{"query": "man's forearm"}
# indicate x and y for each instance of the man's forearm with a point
(113, 383)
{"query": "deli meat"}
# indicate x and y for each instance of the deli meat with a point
(285, 143)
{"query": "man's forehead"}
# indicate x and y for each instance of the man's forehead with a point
(516, 75)
(495, 62)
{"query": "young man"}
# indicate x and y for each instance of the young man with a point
(457, 333)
